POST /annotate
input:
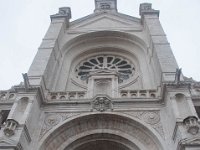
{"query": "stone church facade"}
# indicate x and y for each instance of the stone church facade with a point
(107, 81)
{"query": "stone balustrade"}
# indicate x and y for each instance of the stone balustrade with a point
(138, 94)
(74, 95)
(7, 95)
(66, 95)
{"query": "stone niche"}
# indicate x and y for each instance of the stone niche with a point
(103, 83)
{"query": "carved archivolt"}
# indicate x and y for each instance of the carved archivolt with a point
(105, 122)
(150, 117)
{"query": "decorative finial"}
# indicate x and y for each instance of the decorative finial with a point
(64, 12)
(146, 9)
(105, 6)
(26, 81)
(178, 75)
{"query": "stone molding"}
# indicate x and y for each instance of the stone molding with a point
(89, 123)
(152, 118)
(189, 142)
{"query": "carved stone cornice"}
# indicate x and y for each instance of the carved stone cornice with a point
(189, 142)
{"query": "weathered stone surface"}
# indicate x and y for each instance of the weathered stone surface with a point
(104, 81)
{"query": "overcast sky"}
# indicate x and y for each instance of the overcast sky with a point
(24, 23)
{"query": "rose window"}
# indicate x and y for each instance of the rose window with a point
(123, 67)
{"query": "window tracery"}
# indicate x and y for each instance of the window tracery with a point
(123, 67)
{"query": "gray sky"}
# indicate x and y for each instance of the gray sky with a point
(24, 23)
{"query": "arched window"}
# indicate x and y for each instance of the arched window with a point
(123, 67)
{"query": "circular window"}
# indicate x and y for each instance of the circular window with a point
(117, 64)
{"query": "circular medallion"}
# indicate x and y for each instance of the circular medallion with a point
(151, 117)
(52, 119)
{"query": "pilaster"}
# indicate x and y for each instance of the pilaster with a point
(49, 50)
(158, 41)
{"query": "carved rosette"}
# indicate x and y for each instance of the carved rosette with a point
(53, 119)
(191, 124)
(102, 104)
(150, 117)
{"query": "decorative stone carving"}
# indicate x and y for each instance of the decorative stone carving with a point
(53, 119)
(178, 75)
(191, 124)
(26, 82)
(146, 8)
(2, 96)
(112, 64)
(114, 123)
(64, 12)
(105, 5)
(189, 142)
(150, 117)
(101, 103)
(10, 127)
(7, 96)
(65, 96)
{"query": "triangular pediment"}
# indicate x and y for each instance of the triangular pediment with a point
(106, 21)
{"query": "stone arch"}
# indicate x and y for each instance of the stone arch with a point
(89, 53)
(91, 42)
(135, 134)
(99, 34)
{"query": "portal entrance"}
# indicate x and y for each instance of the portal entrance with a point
(101, 131)
(102, 145)
(102, 141)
